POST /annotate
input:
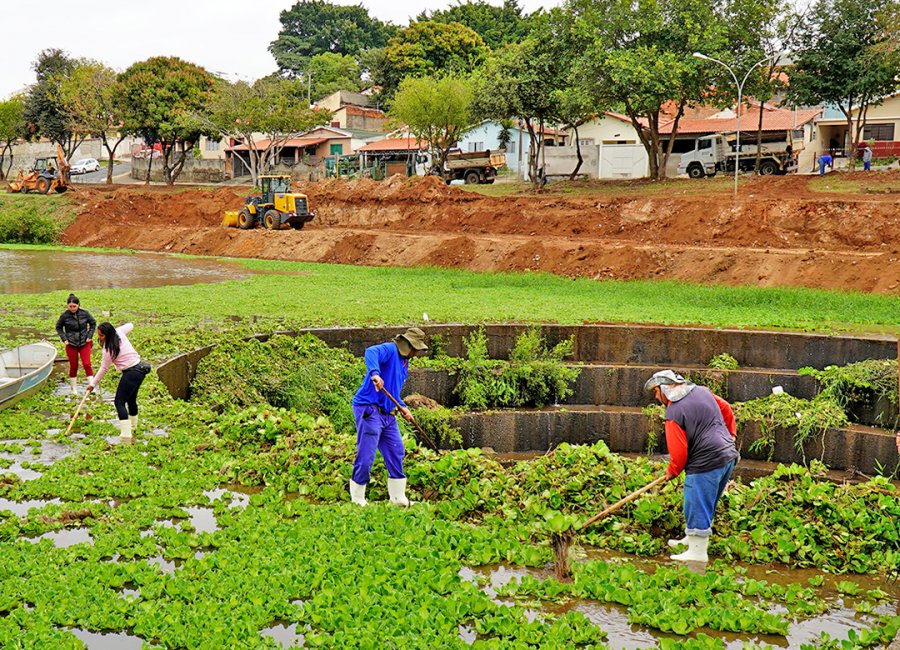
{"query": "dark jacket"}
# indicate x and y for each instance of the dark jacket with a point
(76, 329)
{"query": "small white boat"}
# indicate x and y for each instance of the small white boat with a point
(23, 370)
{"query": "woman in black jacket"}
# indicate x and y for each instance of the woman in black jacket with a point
(75, 327)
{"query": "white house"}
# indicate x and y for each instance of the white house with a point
(486, 136)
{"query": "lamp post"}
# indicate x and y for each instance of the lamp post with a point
(740, 90)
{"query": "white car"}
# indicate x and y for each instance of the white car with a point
(84, 166)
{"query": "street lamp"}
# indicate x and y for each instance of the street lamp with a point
(740, 89)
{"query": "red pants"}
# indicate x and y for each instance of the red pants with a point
(85, 352)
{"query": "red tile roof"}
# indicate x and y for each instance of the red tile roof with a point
(774, 119)
(394, 144)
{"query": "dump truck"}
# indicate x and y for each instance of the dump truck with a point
(470, 167)
(275, 207)
(716, 153)
(44, 177)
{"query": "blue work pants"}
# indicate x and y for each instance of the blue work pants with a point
(701, 495)
(376, 431)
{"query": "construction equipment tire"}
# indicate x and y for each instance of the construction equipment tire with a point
(472, 178)
(245, 220)
(42, 185)
(696, 171)
(61, 188)
(272, 220)
(767, 168)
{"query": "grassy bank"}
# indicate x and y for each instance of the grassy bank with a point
(34, 218)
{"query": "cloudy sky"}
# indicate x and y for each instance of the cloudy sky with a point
(224, 36)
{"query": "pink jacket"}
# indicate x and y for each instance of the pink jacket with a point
(127, 354)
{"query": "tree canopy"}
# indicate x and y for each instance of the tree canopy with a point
(428, 49)
(161, 100)
(332, 72)
(314, 27)
(12, 127)
(497, 26)
(44, 114)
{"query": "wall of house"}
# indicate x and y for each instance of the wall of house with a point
(607, 129)
(360, 122)
(324, 149)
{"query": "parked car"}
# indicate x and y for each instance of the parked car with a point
(85, 165)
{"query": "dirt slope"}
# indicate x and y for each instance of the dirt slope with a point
(778, 232)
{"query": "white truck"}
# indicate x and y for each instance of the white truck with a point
(470, 167)
(717, 153)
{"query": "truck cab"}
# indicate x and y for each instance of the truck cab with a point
(705, 159)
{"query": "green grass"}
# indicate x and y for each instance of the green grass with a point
(874, 183)
(627, 188)
(297, 294)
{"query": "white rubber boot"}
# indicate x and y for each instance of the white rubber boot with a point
(696, 550)
(73, 384)
(125, 429)
(673, 543)
(133, 420)
(397, 492)
(357, 493)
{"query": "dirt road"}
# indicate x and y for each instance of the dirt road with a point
(779, 232)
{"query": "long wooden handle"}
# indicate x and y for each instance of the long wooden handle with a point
(421, 430)
(77, 411)
(616, 506)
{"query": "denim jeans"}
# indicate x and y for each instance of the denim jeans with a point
(701, 495)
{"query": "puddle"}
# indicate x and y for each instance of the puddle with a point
(40, 271)
(838, 621)
(239, 494)
(108, 640)
(167, 566)
(202, 519)
(21, 508)
(66, 537)
(284, 633)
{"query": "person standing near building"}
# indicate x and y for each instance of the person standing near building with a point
(387, 367)
(700, 435)
(75, 327)
(867, 158)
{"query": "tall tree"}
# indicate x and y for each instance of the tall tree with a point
(436, 110)
(43, 112)
(264, 116)
(313, 27)
(847, 56)
(498, 26)
(429, 49)
(640, 58)
(523, 81)
(162, 98)
(332, 72)
(12, 127)
(89, 95)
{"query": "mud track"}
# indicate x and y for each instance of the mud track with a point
(777, 233)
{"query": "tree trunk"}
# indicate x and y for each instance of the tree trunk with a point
(759, 139)
(149, 163)
(533, 154)
(111, 153)
(578, 153)
(671, 144)
(4, 173)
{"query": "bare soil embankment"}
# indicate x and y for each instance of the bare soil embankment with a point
(777, 233)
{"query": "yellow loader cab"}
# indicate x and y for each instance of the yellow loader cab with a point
(276, 207)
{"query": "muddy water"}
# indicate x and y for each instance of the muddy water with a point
(39, 271)
(622, 635)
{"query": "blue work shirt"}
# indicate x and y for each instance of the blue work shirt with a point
(384, 360)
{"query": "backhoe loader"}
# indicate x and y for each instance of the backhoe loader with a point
(43, 176)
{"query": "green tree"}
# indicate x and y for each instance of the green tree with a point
(639, 57)
(12, 127)
(89, 96)
(43, 112)
(162, 101)
(264, 116)
(523, 82)
(846, 55)
(333, 72)
(498, 26)
(429, 49)
(436, 110)
(314, 27)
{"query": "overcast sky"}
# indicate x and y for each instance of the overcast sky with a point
(224, 36)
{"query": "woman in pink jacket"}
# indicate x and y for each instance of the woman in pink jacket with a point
(118, 352)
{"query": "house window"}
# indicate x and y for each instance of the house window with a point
(212, 145)
(586, 142)
(511, 147)
(878, 132)
(476, 146)
(337, 149)
(798, 135)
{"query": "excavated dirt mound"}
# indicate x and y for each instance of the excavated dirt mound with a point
(779, 231)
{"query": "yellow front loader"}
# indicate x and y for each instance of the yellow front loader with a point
(276, 207)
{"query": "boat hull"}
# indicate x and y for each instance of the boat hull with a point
(23, 370)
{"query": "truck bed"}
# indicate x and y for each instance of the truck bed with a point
(476, 159)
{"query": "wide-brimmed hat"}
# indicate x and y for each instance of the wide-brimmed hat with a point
(664, 378)
(411, 339)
